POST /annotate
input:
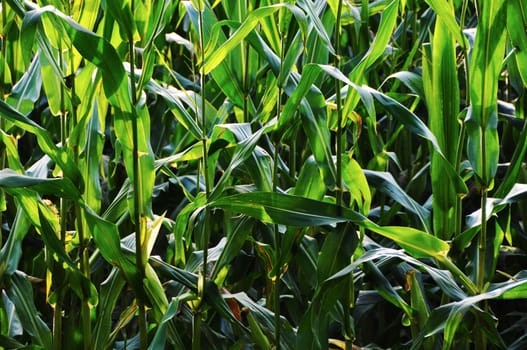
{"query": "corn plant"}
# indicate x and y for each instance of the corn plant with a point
(301, 174)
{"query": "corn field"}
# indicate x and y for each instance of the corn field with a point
(263, 174)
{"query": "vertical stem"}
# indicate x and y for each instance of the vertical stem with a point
(2, 120)
(245, 72)
(292, 154)
(83, 239)
(415, 30)
(138, 200)
(205, 150)
(482, 245)
(196, 324)
(203, 114)
(364, 30)
(482, 241)
(480, 338)
(57, 322)
(58, 309)
(339, 112)
(465, 53)
(196, 327)
(459, 206)
(339, 184)
(277, 238)
(245, 69)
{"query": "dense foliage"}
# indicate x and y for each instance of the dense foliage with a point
(261, 174)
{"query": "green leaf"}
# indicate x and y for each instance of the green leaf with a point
(85, 13)
(20, 293)
(291, 210)
(10, 343)
(444, 9)
(513, 170)
(455, 311)
(265, 319)
(212, 295)
(418, 302)
(155, 293)
(517, 18)
(385, 182)
(485, 69)
(106, 236)
(235, 239)
(494, 206)
(170, 95)
(313, 16)
(160, 336)
(397, 110)
(224, 75)
(121, 12)
(246, 142)
(415, 125)
(45, 142)
(257, 334)
(285, 209)
(310, 183)
(215, 57)
(62, 187)
(12, 250)
(109, 294)
(90, 158)
(312, 330)
(53, 78)
(376, 49)
(441, 88)
(146, 175)
(156, 20)
(385, 289)
(27, 90)
(355, 180)
(319, 138)
(412, 81)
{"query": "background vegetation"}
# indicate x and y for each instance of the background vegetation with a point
(259, 174)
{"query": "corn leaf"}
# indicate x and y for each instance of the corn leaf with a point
(377, 48)
(441, 89)
(297, 211)
(58, 186)
(213, 60)
(20, 293)
(385, 182)
(45, 142)
(485, 68)
(444, 9)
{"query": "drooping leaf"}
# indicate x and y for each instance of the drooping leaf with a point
(376, 49)
(62, 187)
(298, 211)
(45, 142)
(448, 317)
(190, 280)
(385, 182)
